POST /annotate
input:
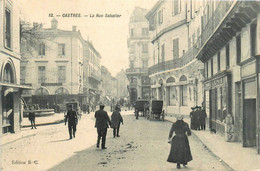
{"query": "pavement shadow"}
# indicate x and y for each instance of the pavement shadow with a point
(89, 158)
(60, 140)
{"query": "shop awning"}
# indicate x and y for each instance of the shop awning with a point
(10, 85)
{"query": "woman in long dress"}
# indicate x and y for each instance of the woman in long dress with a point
(180, 149)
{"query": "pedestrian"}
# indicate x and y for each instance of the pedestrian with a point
(180, 149)
(32, 118)
(72, 119)
(203, 116)
(196, 118)
(102, 121)
(116, 119)
(192, 118)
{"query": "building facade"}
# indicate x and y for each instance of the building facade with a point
(10, 88)
(176, 76)
(138, 46)
(57, 64)
(230, 53)
(91, 73)
(122, 84)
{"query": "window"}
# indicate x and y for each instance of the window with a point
(238, 48)
(160, 17)
(144, 31)
(22, 74)
(41, 50)
(132, 32)
(61, 74)
(132, 64)
(227, 56)
(253, 38)
(8, 74)
(7, 28)
(175, 48)
(218, 61)
(145, 63)
(41, 74)
(175, 7)
(61, 49)
(145, 48)
(183, 95)
(162, 53)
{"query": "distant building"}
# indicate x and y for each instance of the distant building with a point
(57, 67)
(91, 73)
(138, 46)
(122, 84)
(11, 110)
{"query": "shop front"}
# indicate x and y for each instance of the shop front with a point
(218, 100)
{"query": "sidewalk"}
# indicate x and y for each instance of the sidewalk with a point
(24, 133)
(47, 120)
(230, 153)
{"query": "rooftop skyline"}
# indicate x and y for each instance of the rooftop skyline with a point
(108, 33)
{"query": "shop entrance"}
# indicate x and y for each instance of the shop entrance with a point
(249, 114)
(8, 113)
(249, 122)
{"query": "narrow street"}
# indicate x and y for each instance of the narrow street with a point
(142, 146)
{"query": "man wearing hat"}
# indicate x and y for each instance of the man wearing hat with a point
(102, 121)
(72, 121)
(116, 119)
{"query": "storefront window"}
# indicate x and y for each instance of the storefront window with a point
(172, 96)
(184, 95)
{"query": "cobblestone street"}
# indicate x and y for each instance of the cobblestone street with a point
(142, 146)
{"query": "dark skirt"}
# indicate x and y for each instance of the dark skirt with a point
(180, 150)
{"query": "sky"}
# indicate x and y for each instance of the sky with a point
(108, 35)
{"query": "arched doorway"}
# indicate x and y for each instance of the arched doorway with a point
(171, 92)
(8, 99)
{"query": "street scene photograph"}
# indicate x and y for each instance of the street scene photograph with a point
(130, 85)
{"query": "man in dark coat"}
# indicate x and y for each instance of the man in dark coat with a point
(180, 149)
(32, 118)
(102, 121)
(116, 119)
(202, 117)
(72, 121)
(196, 118)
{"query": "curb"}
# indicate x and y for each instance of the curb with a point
(48, 123)
(27, 136)
(210, 151)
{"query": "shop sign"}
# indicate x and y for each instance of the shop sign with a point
(217, 82)
(51, 84)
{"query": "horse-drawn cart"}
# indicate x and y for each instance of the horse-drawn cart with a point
(141, 106)
(156, 110)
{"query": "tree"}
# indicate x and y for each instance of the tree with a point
(30, 37)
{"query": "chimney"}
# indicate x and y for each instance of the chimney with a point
(54, 23)
(74, 28)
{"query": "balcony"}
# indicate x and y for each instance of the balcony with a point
(94, 78)
(175, 63)
(134, 71)
(228, 19)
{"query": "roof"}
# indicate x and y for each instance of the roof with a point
(155, 8)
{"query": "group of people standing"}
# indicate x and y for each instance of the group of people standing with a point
(198, 117)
